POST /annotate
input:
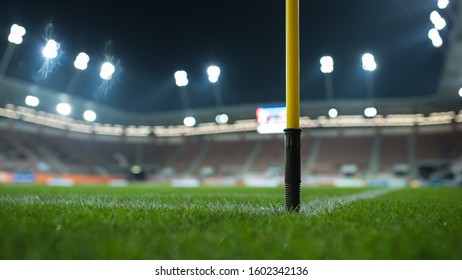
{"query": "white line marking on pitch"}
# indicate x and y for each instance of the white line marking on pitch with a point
(323, 206)
(313, 207)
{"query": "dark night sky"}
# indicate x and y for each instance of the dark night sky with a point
(150, 40)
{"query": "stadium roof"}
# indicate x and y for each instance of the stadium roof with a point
(244, 38)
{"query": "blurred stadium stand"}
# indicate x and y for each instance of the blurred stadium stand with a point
(416, 152)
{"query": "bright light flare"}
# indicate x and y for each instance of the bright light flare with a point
(189, 121)
(333, 113)
(221, 119)
(89, 115)
(443, 4)
(214, 73)
(32, 101)
(81, 61)
(64, 108)
(327, 64)
(437, 20)
(50, 50)
(107, 69)
(16, 34)
(181, 78)
(369, 63)
(370, 112)
(435, 37)
(460, 92)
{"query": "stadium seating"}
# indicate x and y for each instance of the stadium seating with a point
(394, 151)
(213, 157)
(338, 151)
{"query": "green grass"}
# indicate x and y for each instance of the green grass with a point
(38, 222)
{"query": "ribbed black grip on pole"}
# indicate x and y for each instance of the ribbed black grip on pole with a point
(292, 179)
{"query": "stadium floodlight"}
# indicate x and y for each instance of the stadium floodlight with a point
(89, 115)
(327, 67)
(437, 43)
(16, 34)
(50, 50)
(64, 108)
(81, 61)
(214, 73)
(15, 38)
(327, 64)
(460, 92)
(107, 69)
(370, 112)
(221, 118)
(433, 34)
(435, 37)
(437, 20)
(333, 113)
(443, 4)
(32, 101)
(181, 78)
(369, 63)
(189, 121)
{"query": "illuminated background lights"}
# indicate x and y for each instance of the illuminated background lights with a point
(64, 108)
(107, 69)
(370, 112)
(327, 64)
(435, 37)
(50, 50)
(89, 115)
(333, 113)
(214, 73)
(369, 63)
(32, 101)
(189, 121)
(437, 20)
(181, 78)
(221, 119)
(16, 34)
(81, 61)
(443, 4)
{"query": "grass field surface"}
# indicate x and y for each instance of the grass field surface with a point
(95, 222)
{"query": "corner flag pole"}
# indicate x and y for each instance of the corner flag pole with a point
(292, 179)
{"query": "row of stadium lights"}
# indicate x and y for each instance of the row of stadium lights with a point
(439, 23)
(181, 80)
(50, 51)
(369, 64)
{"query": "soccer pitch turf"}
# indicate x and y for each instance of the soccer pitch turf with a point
(135, 222)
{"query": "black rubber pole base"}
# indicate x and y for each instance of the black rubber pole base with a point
(292, 179)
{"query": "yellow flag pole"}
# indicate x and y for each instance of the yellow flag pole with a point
(292, 179)
(292, 64)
